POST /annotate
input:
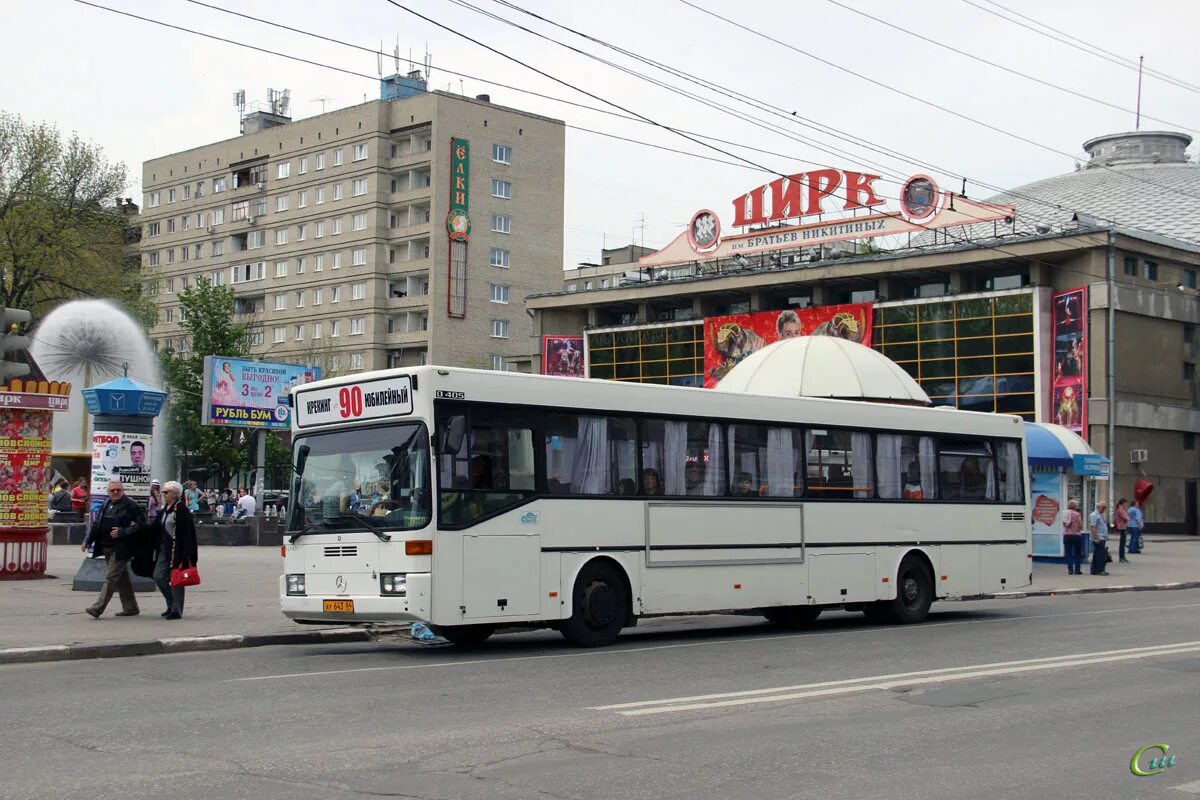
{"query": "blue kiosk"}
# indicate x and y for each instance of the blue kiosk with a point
(1062, 467)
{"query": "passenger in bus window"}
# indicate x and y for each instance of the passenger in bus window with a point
(694, 477)
(743, 485)
(912, 482)
(651, 482)
(481, 472)
(972, 481)
(627, 486)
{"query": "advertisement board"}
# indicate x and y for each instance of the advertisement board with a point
(1046, 509)
(251, 394)
(562, 355)
(1069, 373)
(124, 457)
(728, 340)
(25, 439)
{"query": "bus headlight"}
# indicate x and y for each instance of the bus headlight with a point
(295, 584)
(394, 584)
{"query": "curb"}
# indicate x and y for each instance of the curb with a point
(187, 644)
(1145, 587)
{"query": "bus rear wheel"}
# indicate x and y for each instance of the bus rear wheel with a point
(792, 616)
(599, 606)
(464, 635)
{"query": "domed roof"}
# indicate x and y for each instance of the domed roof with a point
(823, 366)
(1138, 180)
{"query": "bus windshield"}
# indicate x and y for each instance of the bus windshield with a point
(361, 479)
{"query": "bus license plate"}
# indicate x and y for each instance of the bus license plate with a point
(337, 605)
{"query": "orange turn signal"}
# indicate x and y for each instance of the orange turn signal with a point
(283, 550)
(418, 547)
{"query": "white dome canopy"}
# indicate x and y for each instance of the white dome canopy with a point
(823, 366)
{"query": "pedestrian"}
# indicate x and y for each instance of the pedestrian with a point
(228, 502)
(1136, 522)
(154, 502)
(1121, 523)
(79, 496)
(60, 500)
(1098, 528)
(191, 497)
(176, 545)
(246, 505)
(118, 522)
(1073, 538)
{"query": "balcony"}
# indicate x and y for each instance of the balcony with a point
(408, 160)
(408, 337)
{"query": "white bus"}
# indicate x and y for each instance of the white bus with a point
(471, 500)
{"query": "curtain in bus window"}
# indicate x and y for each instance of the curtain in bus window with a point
(589, 472)
(782, 466)
(890, 466)
(860, 464)
(1011, 489)
(622, 455)
(928, 465)
(747, 448)
(675, 454)
(714, 476)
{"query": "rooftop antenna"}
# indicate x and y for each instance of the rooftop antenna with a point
(322, 101)
(239, 100)
(396, 53)
(379, 59)
(461, 88)
(1138, 121)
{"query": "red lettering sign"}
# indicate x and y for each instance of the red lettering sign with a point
(804, 194)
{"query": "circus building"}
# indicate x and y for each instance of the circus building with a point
(1070, 301)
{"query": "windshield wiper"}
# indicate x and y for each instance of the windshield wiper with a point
(309, 528)
(362, 523)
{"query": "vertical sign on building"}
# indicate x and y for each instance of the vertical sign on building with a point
(1069, 376)
(458, 226)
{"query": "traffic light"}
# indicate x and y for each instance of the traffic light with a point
(11, 342)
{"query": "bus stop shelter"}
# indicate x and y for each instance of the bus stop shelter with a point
(1062, 467)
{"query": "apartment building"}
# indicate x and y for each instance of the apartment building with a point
(335, 232)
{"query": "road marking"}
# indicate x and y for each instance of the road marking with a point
(619, 650)
(902, 679)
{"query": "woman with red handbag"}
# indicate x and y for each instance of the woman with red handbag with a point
(175, 566)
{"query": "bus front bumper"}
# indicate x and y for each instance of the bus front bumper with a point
(414, 606)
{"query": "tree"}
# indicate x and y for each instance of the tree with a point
(207, 321)
(61, 234)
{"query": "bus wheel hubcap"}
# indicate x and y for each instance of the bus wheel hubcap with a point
(910, 590)
(601, 603)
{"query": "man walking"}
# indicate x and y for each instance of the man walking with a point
(1099, 531)
(1073, 538)
(113, 533)
(1136, 522)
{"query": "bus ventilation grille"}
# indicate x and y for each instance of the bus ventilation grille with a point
(1005, 516)
(341, 550)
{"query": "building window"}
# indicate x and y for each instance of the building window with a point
(154, 200)
(358, 291)
(317, 293)
(499, 293)
(256, 239)
(153, 228)
(320, 230)
(319, 262)
(300, 299)
(281, 302)
(499, 329)
(358, 257)
(356, 361)
(320, 161)
(335, 328)
(337, 226)
(299, 333)
(501, 154)
(171, 255)
(570, 287)
(281, 236)
(187, 192)
(299, 266)
(170, 195)
(587, 286)
(216, 216)
(335, 294)
(199, 251)
(358, 326)
(303, 165)
(337, 157)
(1189, 441)
(183, 253)
(499, 257)
(1189, 279)
(320, 195)
(152, 259)
(257, 337)
(1189, 370)
(281, 269)
(499, 363)
(281, 203)
(337, 260)
(501, 223)
(185, 222)
(218, 248)
(248, 272)
(358, 187)
(1150, 270)
(301, 232)
(1131, 266)
(316, 330)
(337, 191)
(502, 189)
(360, 222)
(1189, 332)
(283, 170)
(278, 335)
(360, 152)
(171, 225)
(302, 199)
(218, 185)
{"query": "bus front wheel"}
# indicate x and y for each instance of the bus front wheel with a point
(464, 635)
(914, 595)
(599, 606)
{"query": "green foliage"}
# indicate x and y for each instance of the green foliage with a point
(61, 236)
(207, 321)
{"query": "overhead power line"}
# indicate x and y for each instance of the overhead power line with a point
(995, 65)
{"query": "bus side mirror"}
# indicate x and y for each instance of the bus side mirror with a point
(453, 434)
(301, 458)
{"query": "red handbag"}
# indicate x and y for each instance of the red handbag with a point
(187, 576)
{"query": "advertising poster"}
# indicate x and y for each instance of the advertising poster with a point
(25, 437)
(1069, 375)
(562, 355)
(1046, 513)
(251, 394)
(124, 457)
(727, 340)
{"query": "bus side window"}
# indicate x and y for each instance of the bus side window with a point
(494, 468)
(839, 463)
(968, 470)
(906, 467)
(588, 454)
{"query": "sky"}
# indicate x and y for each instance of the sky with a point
(141, 91)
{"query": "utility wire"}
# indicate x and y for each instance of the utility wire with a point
(922, 100)
(1083, 46)
(1009, 70)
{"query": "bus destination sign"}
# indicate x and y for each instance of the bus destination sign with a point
(373, 399)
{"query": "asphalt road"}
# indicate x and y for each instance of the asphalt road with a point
(1035, 698)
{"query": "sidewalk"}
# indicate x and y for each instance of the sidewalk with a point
(237, 605)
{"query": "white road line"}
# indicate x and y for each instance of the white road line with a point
(619, 651)
(889, 682)
(894, 676)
